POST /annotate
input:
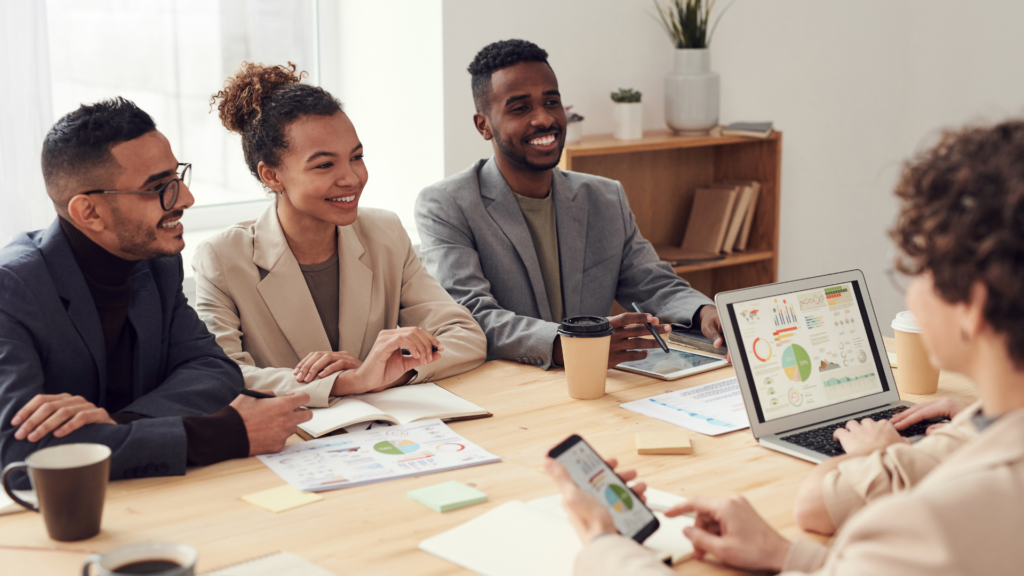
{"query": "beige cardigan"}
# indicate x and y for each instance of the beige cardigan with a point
(963, 518)
(268, 325)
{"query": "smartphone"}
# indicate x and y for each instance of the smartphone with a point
(632, 518)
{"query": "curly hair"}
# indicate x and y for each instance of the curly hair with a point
(260, 102)
(962, 220)
(494, 57)
(79, 144)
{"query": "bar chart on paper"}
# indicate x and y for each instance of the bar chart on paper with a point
(714, 408)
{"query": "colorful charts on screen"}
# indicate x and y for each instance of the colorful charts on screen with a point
(396, 448)
(796, 363)
(618, 498)
(762, 349)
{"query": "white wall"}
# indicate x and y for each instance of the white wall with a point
(856, 87)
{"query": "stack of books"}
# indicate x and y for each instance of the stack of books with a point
(720, 222)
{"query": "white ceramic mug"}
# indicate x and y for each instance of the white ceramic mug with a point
(152, 558)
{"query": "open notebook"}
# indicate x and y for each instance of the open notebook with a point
(400, 405)
(536, 538)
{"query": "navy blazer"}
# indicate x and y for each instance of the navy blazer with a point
(51, 342)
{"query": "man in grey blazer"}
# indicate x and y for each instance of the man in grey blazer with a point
(97, 341)
(523, 244)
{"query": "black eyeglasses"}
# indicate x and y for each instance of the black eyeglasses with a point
(168, 191)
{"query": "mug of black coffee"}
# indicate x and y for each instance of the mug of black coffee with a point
(152, 558)
(70, 481)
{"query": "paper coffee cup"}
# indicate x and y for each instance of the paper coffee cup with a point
(585, 342)
(915, 374)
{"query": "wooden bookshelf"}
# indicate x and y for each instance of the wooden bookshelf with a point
(660, 173)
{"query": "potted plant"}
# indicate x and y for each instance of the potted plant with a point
(574, 131)
(629, 114)
(691, 89)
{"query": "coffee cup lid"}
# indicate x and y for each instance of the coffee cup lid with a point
(905, 322)
(585, 327)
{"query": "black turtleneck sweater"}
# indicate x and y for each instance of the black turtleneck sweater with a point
(211, 439)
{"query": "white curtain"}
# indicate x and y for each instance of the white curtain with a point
(26, 114)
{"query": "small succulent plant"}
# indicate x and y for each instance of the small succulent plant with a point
(572, 116)
(626, 95)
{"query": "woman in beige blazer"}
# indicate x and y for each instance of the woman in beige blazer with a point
(961, 235)
(317, 294)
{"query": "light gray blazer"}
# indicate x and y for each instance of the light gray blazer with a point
(476, 243)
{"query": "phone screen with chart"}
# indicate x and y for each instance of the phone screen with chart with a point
(589, 472)
(807, 349)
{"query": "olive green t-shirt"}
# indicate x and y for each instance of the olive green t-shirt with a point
(540, 219)
(322, 280)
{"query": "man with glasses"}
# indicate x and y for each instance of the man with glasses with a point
(97, 341)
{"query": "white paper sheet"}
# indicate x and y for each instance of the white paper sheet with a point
(714, 408)
(375, 456)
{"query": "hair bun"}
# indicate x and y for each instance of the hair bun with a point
(241, 100)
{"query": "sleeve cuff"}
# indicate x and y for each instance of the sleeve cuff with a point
(215, 438)
(804, 556)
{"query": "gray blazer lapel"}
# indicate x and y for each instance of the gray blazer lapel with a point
(571, 214)
(71, 287)
(505, 212)
(144, 314)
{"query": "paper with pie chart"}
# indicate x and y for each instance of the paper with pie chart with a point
(375, 455)
(807, 350)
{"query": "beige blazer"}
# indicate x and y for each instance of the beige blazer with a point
(963, 518)
(268, 325)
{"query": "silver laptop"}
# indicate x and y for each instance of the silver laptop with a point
(808, 357)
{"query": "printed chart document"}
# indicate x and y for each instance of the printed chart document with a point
(375, 456)
(714, 408)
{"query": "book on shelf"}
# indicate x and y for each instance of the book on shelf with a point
(739, 213)
(748, 129)
(399, 405)
(709, 222)
(749, 192)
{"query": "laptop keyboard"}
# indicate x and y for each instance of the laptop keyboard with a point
(820, 439)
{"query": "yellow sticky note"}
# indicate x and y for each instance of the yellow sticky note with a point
(282, 498)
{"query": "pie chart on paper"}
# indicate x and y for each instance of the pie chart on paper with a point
(796, 363)
(618, 498)
(396, 448)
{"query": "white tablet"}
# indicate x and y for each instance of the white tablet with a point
(673, 365)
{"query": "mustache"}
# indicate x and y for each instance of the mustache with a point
(172, 216)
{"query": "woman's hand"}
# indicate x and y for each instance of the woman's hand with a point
(322, 364)
(734, 532)
(385, 366)
(588, 516)
(864, 437)
(941, 408)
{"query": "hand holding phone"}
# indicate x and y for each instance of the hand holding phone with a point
(599, 502)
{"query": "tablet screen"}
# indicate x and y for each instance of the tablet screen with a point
(806, 350)
(667, 365)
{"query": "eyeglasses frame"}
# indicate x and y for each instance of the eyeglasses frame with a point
(185, 176)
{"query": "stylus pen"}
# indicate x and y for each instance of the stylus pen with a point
(653, 331)
(407, 353)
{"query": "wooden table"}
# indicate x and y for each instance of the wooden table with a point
(375, 529)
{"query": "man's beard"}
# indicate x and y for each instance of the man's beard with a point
(138, 239)
(508, 151)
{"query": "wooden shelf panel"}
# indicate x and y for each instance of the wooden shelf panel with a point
(601, 144)
(730, 260)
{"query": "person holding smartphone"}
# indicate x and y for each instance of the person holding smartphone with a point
(960, 236)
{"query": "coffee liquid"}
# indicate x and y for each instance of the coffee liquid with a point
(147, 567)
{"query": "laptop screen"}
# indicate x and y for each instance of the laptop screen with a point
(807, 350)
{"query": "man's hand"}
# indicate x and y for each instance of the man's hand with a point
(61, 414)
(733, 531)
(941, 408)
(864, 437)
(385, 366)
(270, 421)
(628, 342)
(711, 325)
(323, 364)
(588, 516)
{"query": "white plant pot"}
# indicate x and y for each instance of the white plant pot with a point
(574, 132)
(692, 93)
(629, 120)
